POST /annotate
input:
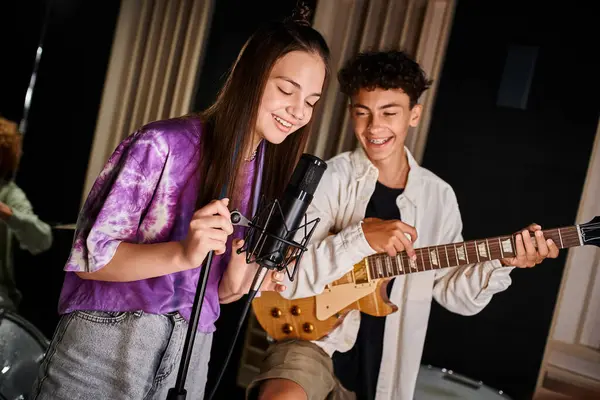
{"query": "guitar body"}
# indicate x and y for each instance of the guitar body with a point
(310, 319)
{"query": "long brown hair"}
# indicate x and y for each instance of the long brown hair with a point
(230, 121)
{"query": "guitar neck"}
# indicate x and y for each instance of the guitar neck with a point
(383, 265)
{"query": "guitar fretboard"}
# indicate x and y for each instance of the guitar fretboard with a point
(382, 265)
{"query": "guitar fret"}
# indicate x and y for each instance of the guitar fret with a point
(447, 259)
(413, 264)
(374, 266)
(466, 247)
(493, 249)
(422, 261)
(500, 247)
(390, 267)
(456, 254)
(399, 256)
(487, 244)
(442, 257)
(450, 256)
(561, 241)
(579, 238)
(507, 246)
(462, 254)
(476, 250)
(429, 258)
(434, 259)
(439, 260)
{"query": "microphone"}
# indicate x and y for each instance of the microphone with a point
(269, 240)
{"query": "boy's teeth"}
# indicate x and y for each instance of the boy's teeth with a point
(378, 141)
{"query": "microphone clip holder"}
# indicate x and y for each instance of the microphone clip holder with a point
(257, 234)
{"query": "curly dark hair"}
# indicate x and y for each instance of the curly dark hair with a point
(386, 70)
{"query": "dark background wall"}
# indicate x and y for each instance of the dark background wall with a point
(62, 120)
(510, 167)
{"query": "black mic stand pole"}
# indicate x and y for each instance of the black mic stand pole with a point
(178, 392)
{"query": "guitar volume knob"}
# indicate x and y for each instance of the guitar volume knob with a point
(296, 311)
(287, 329)
(308, 327)
(276, 312)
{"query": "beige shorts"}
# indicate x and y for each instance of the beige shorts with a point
(304, 363)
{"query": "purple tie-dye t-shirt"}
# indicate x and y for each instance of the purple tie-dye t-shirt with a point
(147, 193)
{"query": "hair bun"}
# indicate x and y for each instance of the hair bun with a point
(301, 14)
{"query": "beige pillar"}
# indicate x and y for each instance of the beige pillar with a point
(571, 363)
(156, 55)
(420, 27)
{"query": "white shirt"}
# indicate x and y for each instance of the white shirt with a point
(428, 204)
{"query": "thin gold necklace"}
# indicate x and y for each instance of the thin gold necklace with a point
(252, 156)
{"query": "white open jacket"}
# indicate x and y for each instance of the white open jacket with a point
(429, 204)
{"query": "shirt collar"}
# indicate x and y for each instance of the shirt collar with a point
(363, 168)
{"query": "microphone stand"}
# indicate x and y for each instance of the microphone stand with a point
(178, 392)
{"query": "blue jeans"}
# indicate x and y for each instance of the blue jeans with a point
(120, 355)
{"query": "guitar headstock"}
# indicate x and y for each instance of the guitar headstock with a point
(590, 232)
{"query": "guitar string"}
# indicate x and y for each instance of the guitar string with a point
(570, 234)
(469, 246)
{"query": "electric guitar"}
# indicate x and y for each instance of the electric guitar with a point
(364, 287)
